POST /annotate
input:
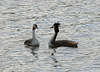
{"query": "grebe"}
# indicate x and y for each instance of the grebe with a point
(33, 41)
(59, 43)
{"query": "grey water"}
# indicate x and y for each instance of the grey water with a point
(80, 22)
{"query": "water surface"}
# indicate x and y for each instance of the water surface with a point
(80, 22)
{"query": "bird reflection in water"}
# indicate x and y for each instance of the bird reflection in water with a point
(34, 50)
(54, 57)
(54, 50)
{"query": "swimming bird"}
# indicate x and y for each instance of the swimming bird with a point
(59, 43)
(33, 41)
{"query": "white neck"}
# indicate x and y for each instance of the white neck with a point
(34, 40)
(52, 41)
(53, 37)
(34, 37)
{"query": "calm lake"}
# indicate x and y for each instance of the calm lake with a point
(80, 22)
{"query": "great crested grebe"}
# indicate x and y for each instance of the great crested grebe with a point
(33, 41)
(59, 43)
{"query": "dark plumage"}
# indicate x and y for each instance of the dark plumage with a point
(65, 43)
(28, 42)
(59, 43)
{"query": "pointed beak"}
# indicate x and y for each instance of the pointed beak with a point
(51, 27)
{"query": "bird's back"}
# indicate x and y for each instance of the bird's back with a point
(28, 42)
(66, 43)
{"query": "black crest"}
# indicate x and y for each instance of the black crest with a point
(56, 24)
